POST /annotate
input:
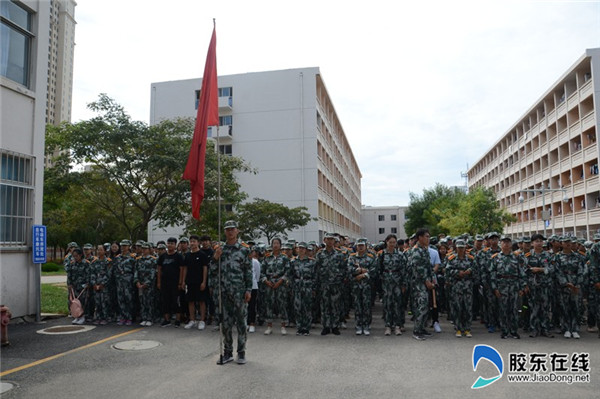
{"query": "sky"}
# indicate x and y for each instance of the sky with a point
(422, 89)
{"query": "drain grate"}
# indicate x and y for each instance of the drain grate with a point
(68, 329)
(136, 345)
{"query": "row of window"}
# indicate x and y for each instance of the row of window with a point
(381, 218)
(16, 198)
(15, 31)
(393, 230)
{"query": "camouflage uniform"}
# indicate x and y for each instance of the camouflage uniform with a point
(540, 288)
(594, 282)
(236, 281)
(303, 280)
(392, 270)
(100, 273)
(490, 301)
(331, 272)
(275, 268)
(569, 269)
(124, 267)
(145, 274)
(420, 265)
(361, 289)
(461, 300)
(508, 277)
(78, 277)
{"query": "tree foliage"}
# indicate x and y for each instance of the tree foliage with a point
(262, 218)
(133, 171)
(449, 210)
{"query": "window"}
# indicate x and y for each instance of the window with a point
(16, 198)
(393, 217)
(225, 149)
(394, 230)
(382, 230)
(225, 120)
(225, 91)
(381, 218)
(15, 31)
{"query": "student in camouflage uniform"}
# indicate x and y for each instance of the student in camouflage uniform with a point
(459, 271)
(508, 283)
(303, 279)
(422, 282)
(100, 274)
(569, 274)
(392, 269)
(124, 267)
(331, 272)
(361, 266)
(233, 259)
(540, 275)
(274, 276)
(145, 281)
(78, 279)
(594, 282)
(484, 265)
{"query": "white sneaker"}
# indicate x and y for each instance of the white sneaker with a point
(283, 331)
(80, 320)
(143, 323)
(201, 325)
(367, 331)
(388, 331)
(268, 331)
(251, 329)
(397, 331)
(343, 325)
(148, 323)
(436, 327)
(568, 334)
(190, 324)
(575, 335)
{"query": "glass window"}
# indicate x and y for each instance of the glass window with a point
(394, 230)
(393, 217)
(226, 149)
(381, 218)
(16, 198)
(15, 37)
(225, 91)
(382, 230)
(225, 120)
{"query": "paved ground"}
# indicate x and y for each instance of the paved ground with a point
(348, 366)
(54, 279)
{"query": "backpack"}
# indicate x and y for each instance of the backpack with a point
(75, 306)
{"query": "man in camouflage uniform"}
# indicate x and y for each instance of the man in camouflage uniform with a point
(569, 274)
(274, 275)
(331, 273)
(78, 279)
(233, 260)
(483, 265)
(100, 274)
(392, 269)
(361, 266)
(594, 282)
(145, 281)
(124, 267)
(303, 281)
(422, 282)
(507, 281)
(460, 271)
(540, 275)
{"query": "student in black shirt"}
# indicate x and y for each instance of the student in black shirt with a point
(169, 266)
(195, 275)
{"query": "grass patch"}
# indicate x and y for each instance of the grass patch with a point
(54, 299)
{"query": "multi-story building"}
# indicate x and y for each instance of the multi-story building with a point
(61, 51)
(283, 123)
(379, 221)
(544, 169)
(23, 81)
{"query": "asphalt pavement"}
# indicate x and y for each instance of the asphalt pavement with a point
(183, 364)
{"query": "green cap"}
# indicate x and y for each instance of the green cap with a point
(88, 246)
(526, 239)
(161, 246)
(460, 244)
(73, 244)
(361, 241)
(231, 224)
(302, 244)
(146, 245)
(125, 242)
(505, 238)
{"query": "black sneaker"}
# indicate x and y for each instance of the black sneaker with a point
(306, 333)
(335, 331)
(425, 333)
(419, 337)
(299, 332)
(547, 334)
(165, 323)
(177, 323)
(504, 335)
(241, 359)
(534, 334)
(515, 335)
(325, 331)
(226, 358)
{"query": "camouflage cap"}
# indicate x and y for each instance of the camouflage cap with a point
(287, 245)
(88, 246)
(460, 243)
(505, 238)
(312, 243)
(73, 244)
(479, 237)
(329, 235)
(596, 236)
(231, 224)
(588, 244)
(553, 237)
(361, 241)
(184, 239)
(139, 243)
(146, 245)
(161, 246)
(581, 241)
(470, 242)
(302, 244)
(526, 239)
(493, 234)
(565, 239)
(125, 242)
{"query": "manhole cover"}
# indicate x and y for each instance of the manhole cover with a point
(65, 330)
(6, 386)
(136, 345)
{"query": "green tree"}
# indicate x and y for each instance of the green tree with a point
(135, 170)
(428, 209)
(262, 218)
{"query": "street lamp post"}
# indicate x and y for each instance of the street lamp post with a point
(543, 190)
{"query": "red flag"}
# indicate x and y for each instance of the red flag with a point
(208, 115)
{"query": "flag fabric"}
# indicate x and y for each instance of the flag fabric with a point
(208, 115)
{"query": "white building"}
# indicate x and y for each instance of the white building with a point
(282, 123)
(552, 146)
(23, 81)
(379, 221)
